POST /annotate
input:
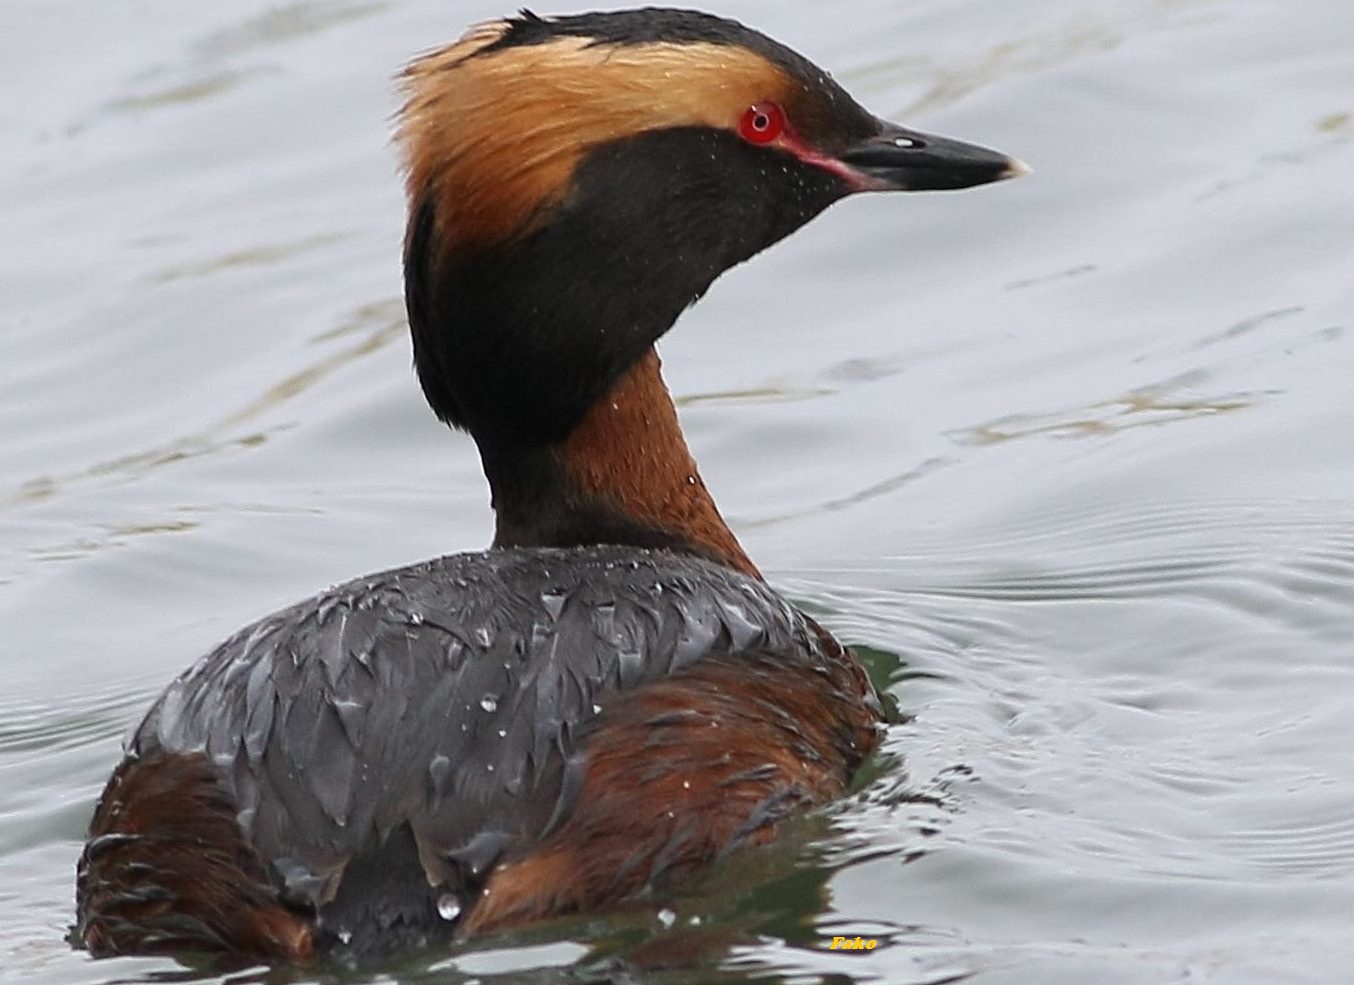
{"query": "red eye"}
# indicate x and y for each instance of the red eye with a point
(762, 123)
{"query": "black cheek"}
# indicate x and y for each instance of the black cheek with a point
(517, 341)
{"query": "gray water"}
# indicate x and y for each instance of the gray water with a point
(1070, 456)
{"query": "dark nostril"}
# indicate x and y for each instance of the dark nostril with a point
(882, 154)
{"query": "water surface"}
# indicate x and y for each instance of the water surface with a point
(1071, 457)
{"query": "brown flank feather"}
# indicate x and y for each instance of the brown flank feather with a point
(168, 869)
(683, 771)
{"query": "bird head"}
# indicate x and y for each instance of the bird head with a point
(575, 182)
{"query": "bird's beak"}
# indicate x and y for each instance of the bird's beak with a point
(898, 159)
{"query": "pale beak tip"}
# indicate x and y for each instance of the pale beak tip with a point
(1016, 168)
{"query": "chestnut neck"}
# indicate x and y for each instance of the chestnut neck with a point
(622, 475)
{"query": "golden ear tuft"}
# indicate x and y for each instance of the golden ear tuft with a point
(493, 138)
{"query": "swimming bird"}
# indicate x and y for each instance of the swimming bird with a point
(611, 696)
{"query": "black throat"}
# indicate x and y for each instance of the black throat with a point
(516, 341)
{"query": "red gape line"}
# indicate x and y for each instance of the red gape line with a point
(764, 123)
